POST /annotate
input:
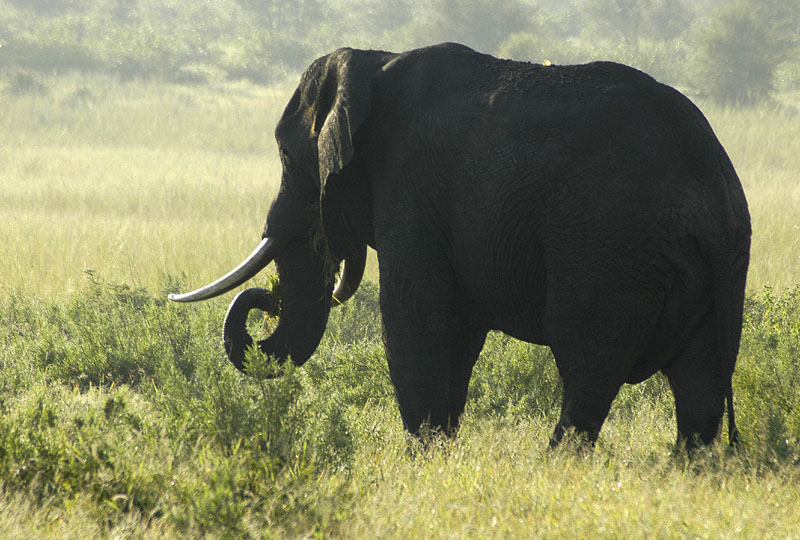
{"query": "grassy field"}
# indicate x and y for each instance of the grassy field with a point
(120, 417)
(134, 182)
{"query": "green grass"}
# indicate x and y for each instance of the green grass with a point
(121, 417)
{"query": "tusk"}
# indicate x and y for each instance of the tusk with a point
(252, 265)
(349, 280)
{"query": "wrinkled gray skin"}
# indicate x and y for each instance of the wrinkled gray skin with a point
(588, 208)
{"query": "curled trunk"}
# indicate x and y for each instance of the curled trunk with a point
(234, 332)
(305, 303)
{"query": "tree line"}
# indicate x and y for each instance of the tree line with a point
(731, 51)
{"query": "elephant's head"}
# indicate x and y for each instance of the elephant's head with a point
(308, 232)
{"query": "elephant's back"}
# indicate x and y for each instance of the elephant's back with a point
(529, 174)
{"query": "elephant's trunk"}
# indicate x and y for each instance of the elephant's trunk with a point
(305, 298)
(234, 329)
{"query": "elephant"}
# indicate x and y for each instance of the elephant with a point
(588, 208)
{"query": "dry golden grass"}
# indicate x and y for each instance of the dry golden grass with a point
(135, 181)
(764, 145)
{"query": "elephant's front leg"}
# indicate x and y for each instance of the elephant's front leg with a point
(430, 349)
(420, 370)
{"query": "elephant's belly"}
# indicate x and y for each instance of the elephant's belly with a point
(530, 335)
(520, 322)
(508, 300)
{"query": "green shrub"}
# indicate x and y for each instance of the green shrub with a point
(113, 334)
(767, 377)
(58, 443)
(514, 380)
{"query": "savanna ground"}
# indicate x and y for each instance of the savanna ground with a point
(120, 416)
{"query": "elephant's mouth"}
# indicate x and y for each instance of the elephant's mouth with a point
(304, 312)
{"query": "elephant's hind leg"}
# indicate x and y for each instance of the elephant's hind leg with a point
(597, 338)
(584, 408)
(467, 346)
(699, 388)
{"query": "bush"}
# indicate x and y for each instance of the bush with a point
(743, 46)
(767, 377)
(110, 392)
(25, 84)
(514, 380)
(57, 443)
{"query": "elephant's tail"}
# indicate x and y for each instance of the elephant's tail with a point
(730, 273)
(726, 244)
(733, 433)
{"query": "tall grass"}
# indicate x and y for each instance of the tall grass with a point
(133, 181)
(764, 145)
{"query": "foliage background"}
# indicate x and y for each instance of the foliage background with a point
(733, 51)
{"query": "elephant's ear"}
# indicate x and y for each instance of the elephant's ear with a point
(343, 104)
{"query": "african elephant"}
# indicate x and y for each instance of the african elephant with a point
(588, 208)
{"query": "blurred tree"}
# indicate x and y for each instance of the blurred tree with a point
(741, 47)
(631, 20)
(281, 36)
(481, 24)
(526, 46)
(50, 7)
(376, 16)
(615, 19)
(289, 18)
(368, 24)
(782, 17)
(666, 19)
(123, 11)
(736, 51)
